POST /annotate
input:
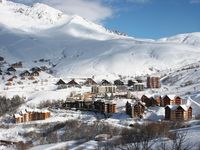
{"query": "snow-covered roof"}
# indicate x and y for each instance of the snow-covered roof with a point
(135, 102)
(17, 115)
(171, 96)
(152, 95)
(174, 107)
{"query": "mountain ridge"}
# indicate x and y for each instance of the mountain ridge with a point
(78, 47)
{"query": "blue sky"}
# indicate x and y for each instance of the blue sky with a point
(138, 18)
(155, 18)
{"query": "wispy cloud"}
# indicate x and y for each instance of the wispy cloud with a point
(93, 10)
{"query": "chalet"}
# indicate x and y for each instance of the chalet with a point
(38, 69)
(135, 109)
(151, 101)
(118, 83)
(89, 82)
(170, 100)
(31, 116)
(131, 82)
(138, 87)
(35, 73)
(61, 82)
(153, 82)
(17, 65)
(105, 83)
(178, 112)
(73, 83)
(11, 69)
(25, 74)
(105, 106)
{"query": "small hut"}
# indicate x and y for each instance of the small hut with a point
(73, 83)
(25, 74)
(89, 82)
(11, 69)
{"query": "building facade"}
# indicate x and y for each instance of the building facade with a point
(135, 109)
(153, 82)
(102, 89)
(178, 112)
(31, 116)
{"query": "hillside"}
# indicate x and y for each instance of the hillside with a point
(48, 102)
(78, 47)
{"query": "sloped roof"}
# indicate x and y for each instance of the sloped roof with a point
(136, 102)
(72, 82)
(105, 82)
(118, 82)
(60, 82)
(25, 72)
(171, 96)
(36, 69)
(174, 107)
(11, 69)
(35, 72)
(90, 81)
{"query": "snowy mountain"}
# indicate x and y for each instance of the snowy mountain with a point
(189, 38)
(78, 47)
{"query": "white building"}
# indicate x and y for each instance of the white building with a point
(102, 89)
(138, 87)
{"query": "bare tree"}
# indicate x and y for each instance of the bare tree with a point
(180, 141)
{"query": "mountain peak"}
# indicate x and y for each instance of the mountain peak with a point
(42, 17)
(22, 17)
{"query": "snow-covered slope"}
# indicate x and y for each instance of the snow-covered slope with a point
(188, 38)
(79, 47)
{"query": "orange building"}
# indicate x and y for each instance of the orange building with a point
(31, 116)
(135, 109)
(178, 112)
(170, 100)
